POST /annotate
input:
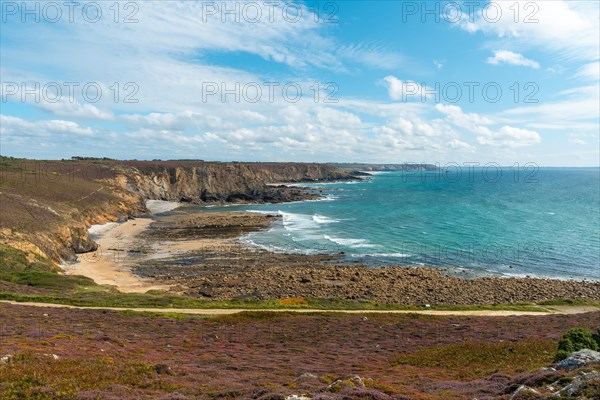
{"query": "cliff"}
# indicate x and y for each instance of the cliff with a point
(47, 206)
(221, 182)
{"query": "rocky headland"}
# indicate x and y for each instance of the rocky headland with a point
(47, 206)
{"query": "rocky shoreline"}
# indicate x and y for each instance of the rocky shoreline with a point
(220, 267)
(44, 221)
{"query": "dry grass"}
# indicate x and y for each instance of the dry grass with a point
(40, 195)
(293, 302)
(35, 376)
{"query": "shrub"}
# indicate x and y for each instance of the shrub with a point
(574, 340)
(293, 302)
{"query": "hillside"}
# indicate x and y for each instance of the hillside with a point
(47, 206)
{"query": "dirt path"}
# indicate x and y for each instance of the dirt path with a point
(568, 310)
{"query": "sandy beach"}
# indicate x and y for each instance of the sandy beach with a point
(110, 264)
(119, 247)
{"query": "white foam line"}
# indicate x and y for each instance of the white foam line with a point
(161, 206)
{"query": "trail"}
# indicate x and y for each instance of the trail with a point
(564, 310)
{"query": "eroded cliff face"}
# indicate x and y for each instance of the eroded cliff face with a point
(45, 215)
(58, 235)
(222, 182)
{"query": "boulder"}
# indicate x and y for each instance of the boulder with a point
(307, 375)
(346, 382)
(579, 359)
(581, 382)
(163, 369)
(81, 241)
(5, 359)
(524, 392)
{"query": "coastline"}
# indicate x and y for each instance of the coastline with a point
(111, 263)
(202, 255)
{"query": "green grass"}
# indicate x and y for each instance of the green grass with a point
(14, 260)
(474, 360)
(48, 280)
(99, 296)
(569, 302)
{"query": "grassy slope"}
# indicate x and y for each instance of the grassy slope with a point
(41, 195)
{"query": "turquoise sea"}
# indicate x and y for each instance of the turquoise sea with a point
(542, 222)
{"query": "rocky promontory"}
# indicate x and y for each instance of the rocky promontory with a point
(47, 206)
(199, 182)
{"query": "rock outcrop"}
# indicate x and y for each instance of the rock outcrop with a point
(200, 182)
(579, 359)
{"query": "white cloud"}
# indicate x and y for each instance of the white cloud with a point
(404, 90)
(75, 109)
(481, 126)
(569, 29)
(579, 105)
(456, 116)
(589, 72)
(371, 55)
(510, 58)
(340, 119)
(14, 127)
(456, 144)
(509, 136)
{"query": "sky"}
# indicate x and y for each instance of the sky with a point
(349, 81)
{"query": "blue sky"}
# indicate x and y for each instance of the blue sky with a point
(389, 81)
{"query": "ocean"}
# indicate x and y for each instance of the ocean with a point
(482, 222)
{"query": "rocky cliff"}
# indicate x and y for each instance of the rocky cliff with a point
(221, 182)
(47, 206)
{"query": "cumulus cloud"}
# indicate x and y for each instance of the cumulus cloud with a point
(510, 58)
(567, 28)
(457, 117)
(18, 127)
(404, 90)
(75, 109)
(509, 136)
(482, 127)
(456, 144)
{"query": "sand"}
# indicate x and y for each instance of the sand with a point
(119, 249)
(110, 264)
